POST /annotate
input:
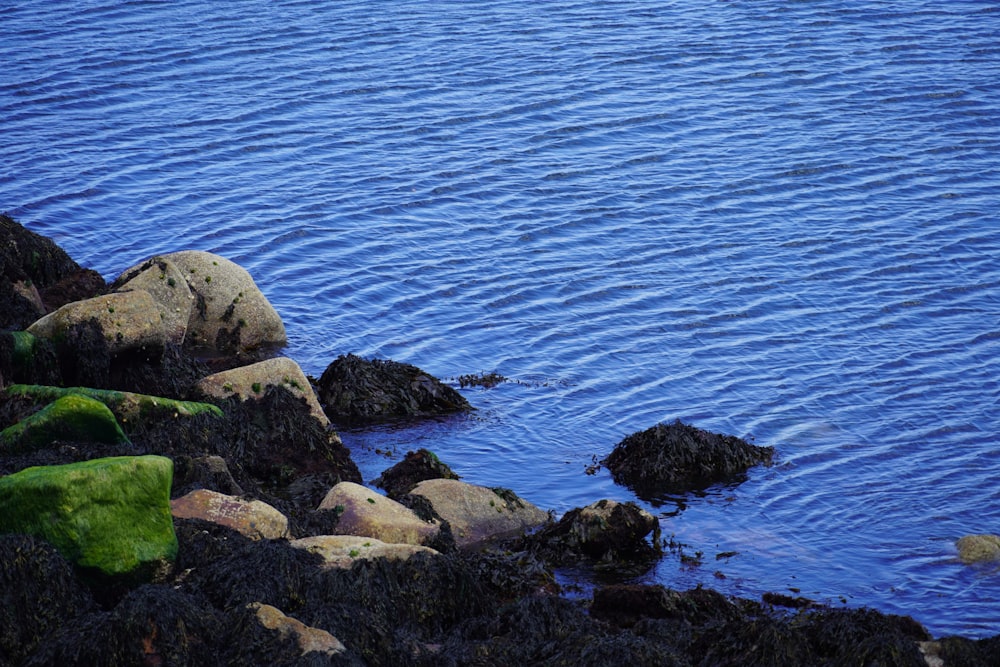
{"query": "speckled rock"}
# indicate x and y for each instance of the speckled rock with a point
(341, 551)
(128, 320)
(253, 518)
(978, 548)
(366, 513)
(169, 288)
(478, 513)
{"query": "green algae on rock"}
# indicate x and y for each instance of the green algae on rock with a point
(125, 405)
(109, 516)
(72, 417)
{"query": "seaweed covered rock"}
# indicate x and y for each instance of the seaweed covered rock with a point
(366, 513)
(606, 531)
(356, 390)
(678, 457)
(308, 640)
(477, 514)
(252, 380)
(72, 418)
(343, 550)
(253, 518)
(39, 594)
(415, 467)
(108, 516)
(230, 314)
(126, 406)
(31, 267)
(27, 359)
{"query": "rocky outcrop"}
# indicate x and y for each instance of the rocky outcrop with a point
(108, 516)
(366, 513)
(253, 518)
(356, 390)
(342, 551)
(70, 418)
(477, 514)
(678, 457)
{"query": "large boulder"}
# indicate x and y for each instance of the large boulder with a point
(128, 321)
(364, 512)
(356, 390)
(252, 381)
(230, 314)
(108, 516)
(253, 518)
(70, 418)
(342, 551)
(678, 457)
(477, 513)
(606, 531)
(168, 286)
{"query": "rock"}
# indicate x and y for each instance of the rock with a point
(253, 518)
(352, 390)
(607, 531)
(477, 513)
(230, 314)
(341, 551)
(126, 406)
(366, 513)
(978, 548)
(108, 516)
(71, 418)
(253, 380)
(413, 469)
(678, 457)
(309, 640)
(204, 472)
(25, 358)
(127, 320)
(168, 286)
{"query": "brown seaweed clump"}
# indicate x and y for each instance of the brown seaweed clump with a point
(353, 390)
(672, 458)
(414, 468)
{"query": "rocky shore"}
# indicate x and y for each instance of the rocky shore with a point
(173, 491)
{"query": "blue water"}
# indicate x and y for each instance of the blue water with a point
(770, 219)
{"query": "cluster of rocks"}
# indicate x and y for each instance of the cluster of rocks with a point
(172, 491)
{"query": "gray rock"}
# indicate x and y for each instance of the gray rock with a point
(128, 320)
(341, 551)
(364, 512)
(169, 288)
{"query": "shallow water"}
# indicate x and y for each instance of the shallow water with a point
(768, 219)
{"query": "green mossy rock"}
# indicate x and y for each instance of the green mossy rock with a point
(73, 417)
(125, 405)
(108, 516)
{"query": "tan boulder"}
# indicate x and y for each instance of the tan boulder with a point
(230, 314)
(341, 551)
(168, 286)
(128, 320)
(366, 513)
(253, 380)
(478, 513)
(978, 548)
(309, 639)
(253, 518)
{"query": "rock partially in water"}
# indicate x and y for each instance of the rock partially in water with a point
(978, 548)
(415, 467)
(606, 531)
(356, 390)
(678, 457)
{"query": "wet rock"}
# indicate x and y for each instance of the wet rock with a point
(126, 406)
(251, 381)
(230, 314)
(978, 548)
(415, 467)
(253, 518)
(168, 286)
(109, 516)
(677, 457)
(39, 595)
(355, 390)
(477, 513)
(27, 359)
(72, 418)
(343, 551)
(366, 513)
(127, 321)
(606, 531)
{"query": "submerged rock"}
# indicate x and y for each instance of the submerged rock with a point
(978, 548)
(678, 457)
(355, 390)
(606, 531)
(110, 516)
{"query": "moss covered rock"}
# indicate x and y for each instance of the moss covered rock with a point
(108, 516)
(125, 405)
(72, 417)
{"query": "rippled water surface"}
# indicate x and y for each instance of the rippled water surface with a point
(765, 218)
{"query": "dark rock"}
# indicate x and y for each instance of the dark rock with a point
(355, 390)
(677, 457)
(605, 531)
(413, 469)
(26, 359)
(75, 286)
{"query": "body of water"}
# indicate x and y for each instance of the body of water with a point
(770, 219)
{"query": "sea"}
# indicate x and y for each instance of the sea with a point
(778, 220)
